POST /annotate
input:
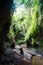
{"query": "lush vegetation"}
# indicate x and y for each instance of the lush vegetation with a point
(27, 22)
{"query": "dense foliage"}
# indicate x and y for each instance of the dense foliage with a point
(27, 21)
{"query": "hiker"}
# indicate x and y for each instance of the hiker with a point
(21, 54)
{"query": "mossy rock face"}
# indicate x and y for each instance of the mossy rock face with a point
(5, 16)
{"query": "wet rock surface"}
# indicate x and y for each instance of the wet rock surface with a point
(12, 57)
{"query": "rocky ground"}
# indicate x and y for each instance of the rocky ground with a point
(13, 57)
(10, 57)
